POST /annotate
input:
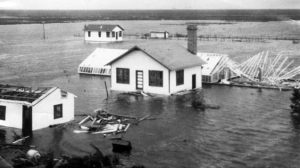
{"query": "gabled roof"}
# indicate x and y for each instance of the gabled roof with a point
(101, 27)
(212, 61)
(171, 56)
(159, 32)
(101, 56)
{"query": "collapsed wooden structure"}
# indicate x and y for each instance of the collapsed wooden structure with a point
(267, 69)
(262, 67)
(104, 123)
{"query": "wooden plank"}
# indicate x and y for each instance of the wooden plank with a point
(279, 68)
(285, 68)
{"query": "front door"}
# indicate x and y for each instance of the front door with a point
(193, 81)
(117, 35)
(27, 121)
(139, 80)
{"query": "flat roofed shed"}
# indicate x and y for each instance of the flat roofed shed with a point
(101, 27)
(95, 62)
(212, 61)
(159, 32)
(21, 93)
(172, 56)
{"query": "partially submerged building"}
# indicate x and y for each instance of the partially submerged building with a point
(160, 69)
(215, 68)
(95, 63)
(152, 68)
(103, 33)
(28, 109)
(164, 70)
(159, 34)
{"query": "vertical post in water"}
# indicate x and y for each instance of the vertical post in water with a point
(106, 90)
(27, 121)
(44, 35)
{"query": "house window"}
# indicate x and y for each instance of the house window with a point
(99, 34)
(89, 33)
(107, 34)
(179, 77)
(156, 78)
(123, 75)
(2, 112)
(120, 34)
(64, 94)
(58, 111)
(113, 34)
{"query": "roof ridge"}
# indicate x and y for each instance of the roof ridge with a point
(170, 57)
(101, 27)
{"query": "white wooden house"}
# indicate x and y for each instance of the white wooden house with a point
(95, 63)
(27, 109)
(160, 69)
(103, 33)
(159, 35)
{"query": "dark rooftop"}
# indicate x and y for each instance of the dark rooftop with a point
(171, 55)
(21, 93)
(101, 27)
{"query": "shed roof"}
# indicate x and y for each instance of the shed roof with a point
(21, 93)
(212, 60)
(159, 32)
(101, 56)
(101, 27)
(170, 55)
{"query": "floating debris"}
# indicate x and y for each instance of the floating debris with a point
(103, 122)
(269, 70)
(138, 93)
(20, 140)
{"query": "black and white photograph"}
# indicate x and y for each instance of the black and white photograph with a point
(149, 83)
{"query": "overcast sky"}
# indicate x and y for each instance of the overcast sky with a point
(149, 4)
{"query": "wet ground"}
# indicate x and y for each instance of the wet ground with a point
(252, 128)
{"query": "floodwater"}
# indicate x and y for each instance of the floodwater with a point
(252, 128)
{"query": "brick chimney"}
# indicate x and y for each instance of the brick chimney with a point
(192, 38)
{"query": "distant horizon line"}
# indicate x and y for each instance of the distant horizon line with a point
(138, 9)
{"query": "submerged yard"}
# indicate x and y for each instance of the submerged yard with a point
(251, 129)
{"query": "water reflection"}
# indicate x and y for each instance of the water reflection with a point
(251, 128)
(2, 136)
(295, 123)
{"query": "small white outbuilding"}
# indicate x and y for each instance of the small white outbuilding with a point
(160, 69)
(103, 33)
(159, 34)
(27, 109)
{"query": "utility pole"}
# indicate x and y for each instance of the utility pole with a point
(44, 34)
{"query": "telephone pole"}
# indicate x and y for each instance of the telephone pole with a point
(44, 34)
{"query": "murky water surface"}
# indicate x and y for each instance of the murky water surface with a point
(251, 129)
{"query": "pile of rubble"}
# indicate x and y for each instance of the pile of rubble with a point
(269, 69)
(103, 122)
